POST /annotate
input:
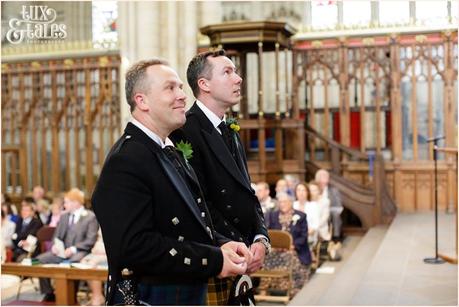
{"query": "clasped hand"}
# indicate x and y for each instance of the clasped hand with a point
(238, 259)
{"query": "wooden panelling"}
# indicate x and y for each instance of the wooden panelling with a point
(423, 191)
(416, 190)
(407, 201)
(67, 107)
(403, 93)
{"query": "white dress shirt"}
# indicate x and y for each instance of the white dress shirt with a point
(214, 119)
(152, 135)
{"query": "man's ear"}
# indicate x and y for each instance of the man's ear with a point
(141, 101)
(203, 85)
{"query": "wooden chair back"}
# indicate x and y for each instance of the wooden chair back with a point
(280, 239)
(45, 237)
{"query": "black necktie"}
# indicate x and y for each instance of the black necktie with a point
(227, 137)
(172, 155)
(24, 227)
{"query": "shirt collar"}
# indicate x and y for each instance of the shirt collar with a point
(27, 220)
(214, 119)
(152, 135)
(77, 213)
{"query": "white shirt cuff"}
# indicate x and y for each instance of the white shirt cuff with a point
(260, 236)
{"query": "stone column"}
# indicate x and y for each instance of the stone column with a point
(159, 29)
(187, 46)
(139, 38)
(211, 12)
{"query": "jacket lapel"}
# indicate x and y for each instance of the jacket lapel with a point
(62, 226)
(189, 170)
(218, 147)
(223, 155)
(240, 156)
(181, 187)
(175, 178)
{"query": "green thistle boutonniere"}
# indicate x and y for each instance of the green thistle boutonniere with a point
(186, 149)
(232, 124)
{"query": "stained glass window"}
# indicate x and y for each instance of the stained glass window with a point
(104, 16)
(324, 14)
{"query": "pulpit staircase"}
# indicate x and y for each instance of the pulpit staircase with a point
(373, 203)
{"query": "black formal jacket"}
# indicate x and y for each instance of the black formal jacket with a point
(235, 209)
(22, 232)
(150, 221)
(298, 228)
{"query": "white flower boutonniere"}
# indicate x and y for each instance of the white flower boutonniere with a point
(84, 213)
(295, 219)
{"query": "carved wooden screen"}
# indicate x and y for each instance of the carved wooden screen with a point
(425, 94)
(59, 118)
(401, 90)
(388, 94)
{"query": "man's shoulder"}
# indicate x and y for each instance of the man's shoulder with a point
(189, 131)
(192, 120)
(88, 214)
(129, 146)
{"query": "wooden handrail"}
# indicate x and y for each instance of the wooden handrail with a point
(354, 154)
(373, 205)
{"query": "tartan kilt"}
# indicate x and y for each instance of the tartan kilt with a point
(218, 291)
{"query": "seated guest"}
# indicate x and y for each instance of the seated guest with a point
(334, 196)
(97, 257)
(56, 211)
(302, 196)
(281, 186)
(77, 229)
(266, 202)
(27, 225)
(8, 228)
(292, 181)
(323, 205)
(293, 221)
(38, 193)
(310, 208)
(42, 211)
(9, 209)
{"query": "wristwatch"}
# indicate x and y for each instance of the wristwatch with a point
(265, 243)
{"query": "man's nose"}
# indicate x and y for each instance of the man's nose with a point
(238, 79)
(181, 95)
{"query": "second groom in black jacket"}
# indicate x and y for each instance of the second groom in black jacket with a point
(219, 158)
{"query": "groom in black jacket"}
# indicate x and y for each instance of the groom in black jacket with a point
(219, 160)
(153, 217)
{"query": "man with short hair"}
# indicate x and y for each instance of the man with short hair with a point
(77, 230)
(266, 202)
(220, 162)
(148, 201)
(281, 186)
(38, 192)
